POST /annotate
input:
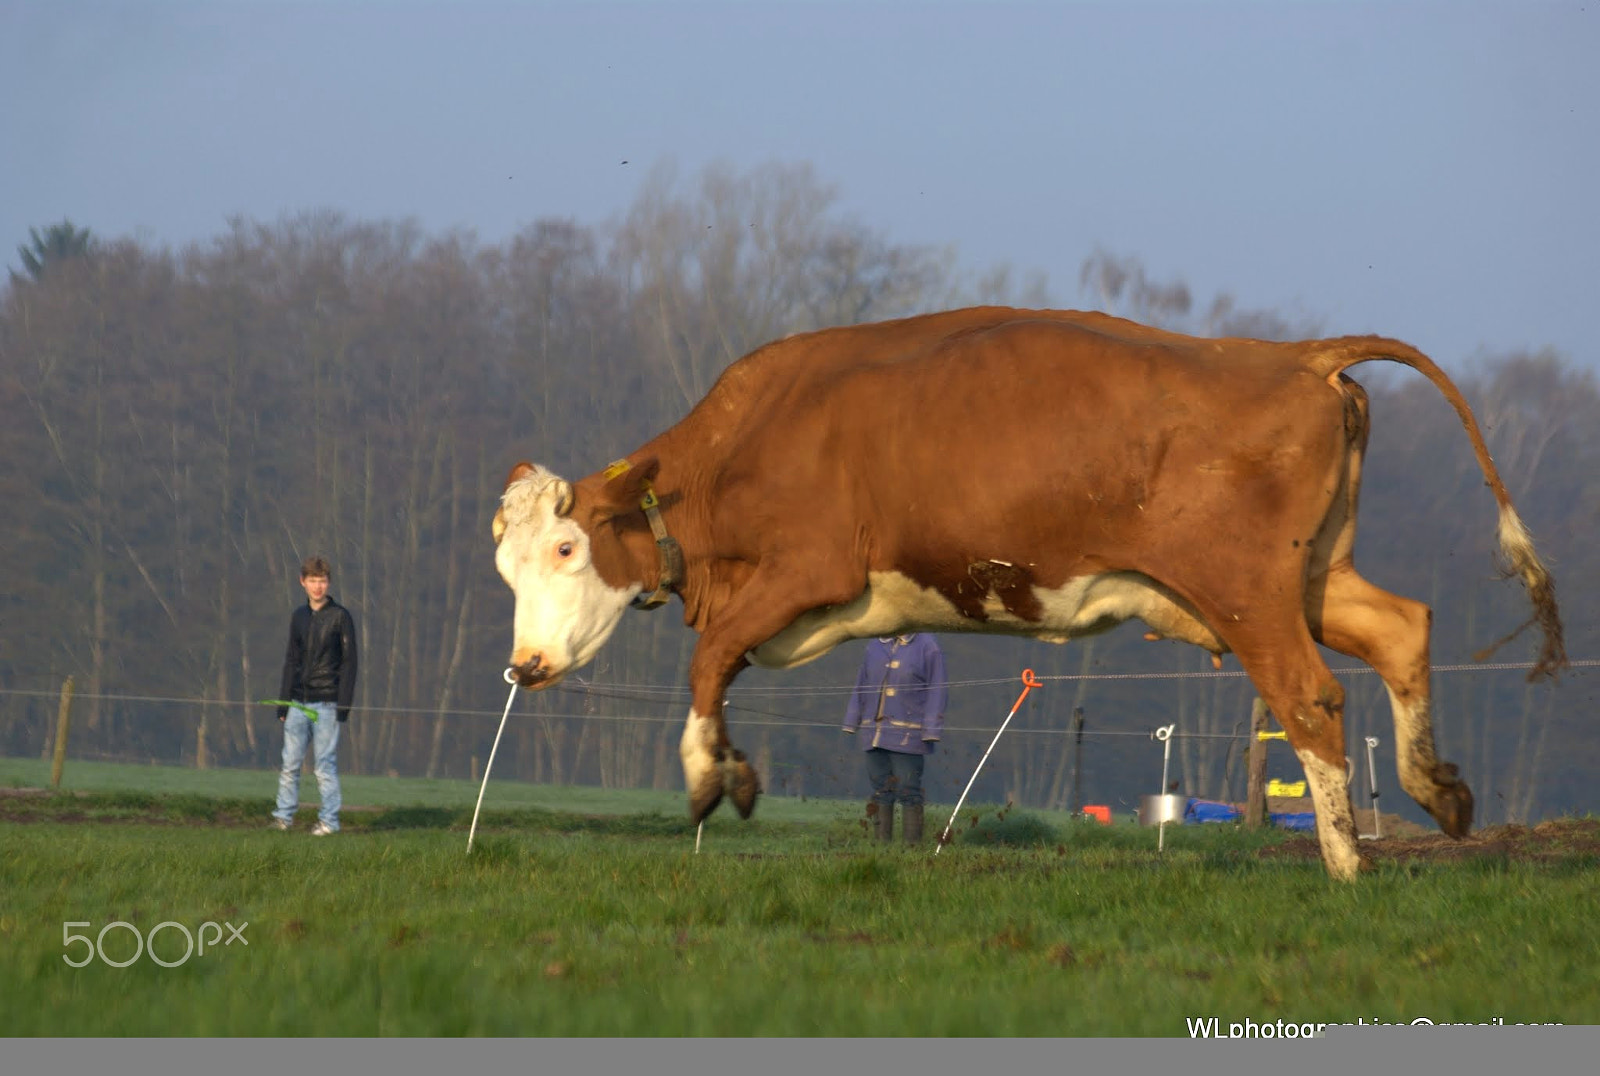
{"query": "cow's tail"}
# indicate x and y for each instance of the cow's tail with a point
(1331, 357)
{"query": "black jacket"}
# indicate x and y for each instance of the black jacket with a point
(320, 664)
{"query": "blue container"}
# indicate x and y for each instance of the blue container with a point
(1201, 811)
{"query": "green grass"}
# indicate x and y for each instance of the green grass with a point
(357, 790)
(578, 923)
(365, 792)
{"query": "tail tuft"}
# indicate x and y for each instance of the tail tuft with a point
(1516, 547)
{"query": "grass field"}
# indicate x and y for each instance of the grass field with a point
(584, 912)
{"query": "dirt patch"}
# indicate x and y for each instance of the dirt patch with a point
(1551, 841)
(1393, 826)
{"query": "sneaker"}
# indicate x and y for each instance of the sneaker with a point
(322, 829)
(279, 824)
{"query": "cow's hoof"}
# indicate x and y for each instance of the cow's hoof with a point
(1452, 801)
(704, 797)
(741, 783)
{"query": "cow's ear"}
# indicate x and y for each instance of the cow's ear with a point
(625, 484)
(521, 470)
(497, 526)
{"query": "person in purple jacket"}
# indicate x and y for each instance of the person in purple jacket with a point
(897, 709)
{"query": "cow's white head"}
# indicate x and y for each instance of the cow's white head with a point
(558, 551)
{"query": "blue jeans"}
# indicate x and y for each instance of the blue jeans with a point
(895, 775)
(323, 735)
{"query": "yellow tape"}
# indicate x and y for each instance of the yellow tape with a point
(1286, 789)
(1279, 735)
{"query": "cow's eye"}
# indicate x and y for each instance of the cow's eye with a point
(564, 549)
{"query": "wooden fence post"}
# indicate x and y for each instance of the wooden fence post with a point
(1077, 757)
(1255, 805)
(202, 749)
(63, 719)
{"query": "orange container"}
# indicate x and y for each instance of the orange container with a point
(1099, 812)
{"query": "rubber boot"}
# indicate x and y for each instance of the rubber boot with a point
(886, 821)
(911, 823)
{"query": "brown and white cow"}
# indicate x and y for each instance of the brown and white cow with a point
(1043, 473)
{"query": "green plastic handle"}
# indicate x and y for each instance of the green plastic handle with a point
(311, 715)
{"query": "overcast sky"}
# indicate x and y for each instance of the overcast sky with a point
(1426, 171)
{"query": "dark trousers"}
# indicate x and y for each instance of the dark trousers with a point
(895, 776)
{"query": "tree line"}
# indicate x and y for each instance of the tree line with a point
(183, 427)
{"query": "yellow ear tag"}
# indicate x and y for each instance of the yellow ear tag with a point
(615, 468)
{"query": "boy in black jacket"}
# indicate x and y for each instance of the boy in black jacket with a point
(319, 671)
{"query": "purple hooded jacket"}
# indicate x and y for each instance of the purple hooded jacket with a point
(905, 673)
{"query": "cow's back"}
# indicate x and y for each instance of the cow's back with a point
(1085, 441)
(805, 367)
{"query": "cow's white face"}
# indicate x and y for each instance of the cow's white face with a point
(565, 611)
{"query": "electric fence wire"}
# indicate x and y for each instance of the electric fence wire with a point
(762, 716)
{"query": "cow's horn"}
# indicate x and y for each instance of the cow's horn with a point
(563, 497)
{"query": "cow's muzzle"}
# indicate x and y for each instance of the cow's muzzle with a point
(530, 674)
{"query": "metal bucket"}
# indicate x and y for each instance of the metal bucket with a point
(1153, 810)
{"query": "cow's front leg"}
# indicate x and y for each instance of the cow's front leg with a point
(767, 603)
(712, 767)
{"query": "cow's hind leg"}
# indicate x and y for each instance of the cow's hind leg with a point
(1390, 633)
(1282, 661)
